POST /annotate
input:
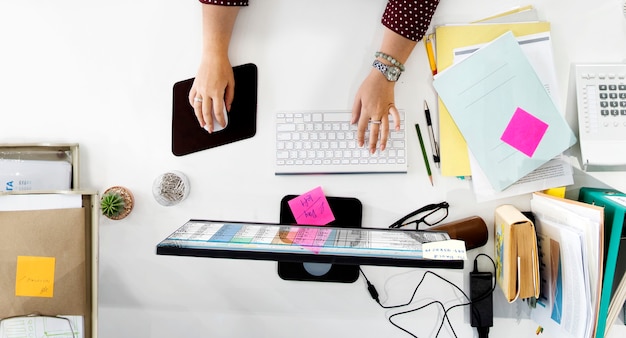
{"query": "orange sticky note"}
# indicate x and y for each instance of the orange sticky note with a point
(34, 276)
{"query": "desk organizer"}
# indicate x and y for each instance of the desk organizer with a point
(41, 166)
(68, 237)
(48, 235)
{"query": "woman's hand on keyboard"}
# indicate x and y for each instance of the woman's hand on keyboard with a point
(372, 106)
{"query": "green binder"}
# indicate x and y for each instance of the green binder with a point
(614, 203)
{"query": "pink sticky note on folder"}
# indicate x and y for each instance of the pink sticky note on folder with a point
(524, 132)
(311, 208)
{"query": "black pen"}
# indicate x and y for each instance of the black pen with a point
(431, 134)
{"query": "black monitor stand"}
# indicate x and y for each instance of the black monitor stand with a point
(348, 213)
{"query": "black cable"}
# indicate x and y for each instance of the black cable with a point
(374, 294)
(435, 302)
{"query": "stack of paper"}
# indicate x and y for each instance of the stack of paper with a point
(571, 248)
(501, 108)
(617, 304)
(518, 14)
(21, 175)
(455, 42)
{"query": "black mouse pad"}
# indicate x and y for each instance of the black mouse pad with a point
(348, 213)
(187, 135)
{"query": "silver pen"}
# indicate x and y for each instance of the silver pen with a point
(431, 134)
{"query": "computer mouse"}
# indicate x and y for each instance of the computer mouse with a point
(216, 125)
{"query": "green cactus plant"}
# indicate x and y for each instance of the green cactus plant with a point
(116, 202)
(112, 204)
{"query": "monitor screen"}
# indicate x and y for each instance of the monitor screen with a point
(314, 244)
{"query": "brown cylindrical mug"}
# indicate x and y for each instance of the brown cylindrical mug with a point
(472, 230)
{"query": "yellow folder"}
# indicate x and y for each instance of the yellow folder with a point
(453, 148)
(512, 15)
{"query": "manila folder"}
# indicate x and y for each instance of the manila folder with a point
(42, 262)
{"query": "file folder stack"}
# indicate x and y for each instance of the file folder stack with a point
(506, 125)
(501, 107)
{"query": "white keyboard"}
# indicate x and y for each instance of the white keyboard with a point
(601, 98)
(325, 142)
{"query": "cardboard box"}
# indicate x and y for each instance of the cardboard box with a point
(48, 260)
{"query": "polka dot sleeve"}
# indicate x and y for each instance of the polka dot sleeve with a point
(226, 2)
(409, 18)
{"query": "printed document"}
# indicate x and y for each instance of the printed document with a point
(570, 234)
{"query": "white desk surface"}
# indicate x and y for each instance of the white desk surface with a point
(100, 73)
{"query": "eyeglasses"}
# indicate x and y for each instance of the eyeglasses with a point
(435, 213)
(39, 325)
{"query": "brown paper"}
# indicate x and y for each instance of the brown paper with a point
(56, 233)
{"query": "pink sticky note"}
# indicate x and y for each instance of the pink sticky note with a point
(311, 208)
(305, 237)
(312, 239)
(524, 132)
(320, 239)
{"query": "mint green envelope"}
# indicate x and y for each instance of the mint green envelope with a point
(508, 119)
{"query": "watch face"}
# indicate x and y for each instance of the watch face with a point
(393, 73)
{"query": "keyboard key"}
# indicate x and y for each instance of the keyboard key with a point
(337, 117)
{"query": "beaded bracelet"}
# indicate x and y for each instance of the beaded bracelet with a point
(390, 59)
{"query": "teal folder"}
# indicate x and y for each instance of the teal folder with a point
(614, 203)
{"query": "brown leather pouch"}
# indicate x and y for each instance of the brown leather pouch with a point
(472, 230)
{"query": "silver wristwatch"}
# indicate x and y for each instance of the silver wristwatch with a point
(392, 73)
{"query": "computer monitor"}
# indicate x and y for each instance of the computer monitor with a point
(316, 244)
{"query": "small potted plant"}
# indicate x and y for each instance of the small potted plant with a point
(117, 202)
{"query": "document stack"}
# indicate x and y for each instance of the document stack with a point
(499, 115)
(48, 236)
(570, 241)
(501, 122)
(38, 167)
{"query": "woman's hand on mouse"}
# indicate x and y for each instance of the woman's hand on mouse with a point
(214, 84)
(213, 87)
